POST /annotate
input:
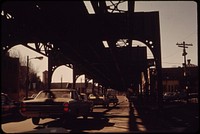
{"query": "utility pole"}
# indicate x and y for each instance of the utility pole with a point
(184, 46)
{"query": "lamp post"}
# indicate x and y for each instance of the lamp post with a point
(27, 73)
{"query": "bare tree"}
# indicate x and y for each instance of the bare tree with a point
(33, 78)
(23, 60)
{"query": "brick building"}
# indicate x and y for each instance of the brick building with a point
(10, 76)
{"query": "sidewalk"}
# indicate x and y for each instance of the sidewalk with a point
(174, 117)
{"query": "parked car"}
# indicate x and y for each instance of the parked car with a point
(84, 98)
(193, 95)
(181, 95)
(132, 97)
(55, 103)
(99, 100)
(113, 99)
(174, 96)
(169, 96)
(8, 106)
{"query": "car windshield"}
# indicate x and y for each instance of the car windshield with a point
(54, 94)
(91, 95)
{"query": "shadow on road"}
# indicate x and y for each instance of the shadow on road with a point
(132, 119)
(12, 118)
(96, 121)
(172, 118)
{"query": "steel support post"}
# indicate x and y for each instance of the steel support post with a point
(160, 88)
(74, 77)
(49, 68)
(27, 77)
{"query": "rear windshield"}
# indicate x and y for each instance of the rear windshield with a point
(54, 94)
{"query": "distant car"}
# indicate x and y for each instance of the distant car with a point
(113, 99)
(86, 100)
(133, 97)
(193, 95)
(8, 106)
(99, 100)
(181, 95)
(55, 103)
(170, 96)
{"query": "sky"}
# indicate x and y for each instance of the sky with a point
(178, 23)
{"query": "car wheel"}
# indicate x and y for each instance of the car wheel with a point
(35, 120)
(106, 105)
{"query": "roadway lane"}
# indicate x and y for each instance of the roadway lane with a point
(117, 117)
(113, 119)
(124, 117)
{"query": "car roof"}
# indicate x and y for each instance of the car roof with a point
(61, 90)
(83, 94)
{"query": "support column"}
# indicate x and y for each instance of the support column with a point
(50, 65)
(86, 84)
(131, 6)
(74, 77)
(92, 86)
(146, 83)
(157, 55)
(159, 85)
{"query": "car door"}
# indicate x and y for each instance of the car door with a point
(84, 105)
(75, 104)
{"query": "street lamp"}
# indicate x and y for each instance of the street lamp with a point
(27, 72)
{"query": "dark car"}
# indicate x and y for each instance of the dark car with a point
(99, 99)
(113, 99)
(181, 95)
(85, 99)
(169, 96)
(8, 106)
(55, 103)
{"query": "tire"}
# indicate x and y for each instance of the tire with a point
(35, 120)
(106, 105)
(68, 119)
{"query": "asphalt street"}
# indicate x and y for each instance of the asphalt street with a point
(124, 117)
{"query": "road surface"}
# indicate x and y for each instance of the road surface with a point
(122, 118)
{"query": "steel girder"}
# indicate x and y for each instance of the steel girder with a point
(79, 35)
